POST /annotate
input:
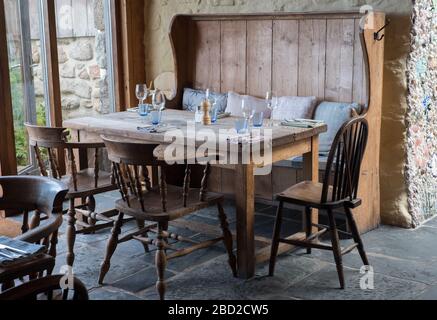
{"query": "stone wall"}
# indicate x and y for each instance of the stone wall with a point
(159, 63)
(82, 70)
(422, 115)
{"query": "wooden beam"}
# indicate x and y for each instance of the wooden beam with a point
(117, 54)
(8, 159)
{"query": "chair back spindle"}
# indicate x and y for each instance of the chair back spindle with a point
(344, 162)
(130, 170)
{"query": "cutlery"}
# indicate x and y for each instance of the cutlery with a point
(13, 250)
(7, 256)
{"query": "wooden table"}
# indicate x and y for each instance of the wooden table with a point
(287, 143)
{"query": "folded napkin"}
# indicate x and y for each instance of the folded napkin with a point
(245, 139)
(14, 251)
(224, 115)
(156, 129)
(302, 123)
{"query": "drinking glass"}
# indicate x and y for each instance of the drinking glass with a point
(241, 126)
(158, 100)
(258, 119)
(142, 92)
(156, 117)
(143, 110)
(248, 111)
(272, 104)
(214, 114)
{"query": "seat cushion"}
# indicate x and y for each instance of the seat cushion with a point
(235, 101)
(295, 108)
(334, 114)
(193, 98)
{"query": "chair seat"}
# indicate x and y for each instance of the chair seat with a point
(39, 264)
(308, 193)
(175, 209)
(86, 183)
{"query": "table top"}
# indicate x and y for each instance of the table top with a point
(127, 124)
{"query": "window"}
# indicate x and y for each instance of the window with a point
(84, 43)
(85, 68)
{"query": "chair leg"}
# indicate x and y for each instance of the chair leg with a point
(336, 248)
(276, 237)
(308, 225)
(161, 262)
(110, 249)
(53, 244)
(71, 233)
(227, 238)
(141, 224)
(356, 235)
(7, 285)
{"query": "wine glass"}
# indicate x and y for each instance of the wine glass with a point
(272, 104)
(142, 92)
(158, 100)
(248, 111)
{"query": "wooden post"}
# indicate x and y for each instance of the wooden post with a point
(26, 58)
(311, 171)
(52, 65)
(132, 47)
(8, 160)
(245, 203)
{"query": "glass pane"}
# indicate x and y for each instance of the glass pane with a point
(27, 78)
(83, 60)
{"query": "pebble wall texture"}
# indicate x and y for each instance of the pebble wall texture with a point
(422, 115)
(394, 200)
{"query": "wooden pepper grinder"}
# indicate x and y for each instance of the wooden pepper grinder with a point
(206, 108)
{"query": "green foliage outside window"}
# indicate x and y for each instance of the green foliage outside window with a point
(21, 143)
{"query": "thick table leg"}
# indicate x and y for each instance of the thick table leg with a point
(245, 204)
(311, 171)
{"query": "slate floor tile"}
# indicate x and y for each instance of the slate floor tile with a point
(429, 294)
(432, 223)
(88, 261)
(211, 281)
(416, 244)
(105, 294)
(141, 280)
(404, 262)
(324, 285)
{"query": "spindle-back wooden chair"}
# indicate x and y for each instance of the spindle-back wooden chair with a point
(338, 191)
(32, 198)
(158, 204)
(47, 288)
(83, 184)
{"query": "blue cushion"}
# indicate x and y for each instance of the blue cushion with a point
(334, 114)
(193, 98)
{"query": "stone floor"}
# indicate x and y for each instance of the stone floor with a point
(404, 264)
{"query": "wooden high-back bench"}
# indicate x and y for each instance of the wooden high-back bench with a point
(326, 55)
